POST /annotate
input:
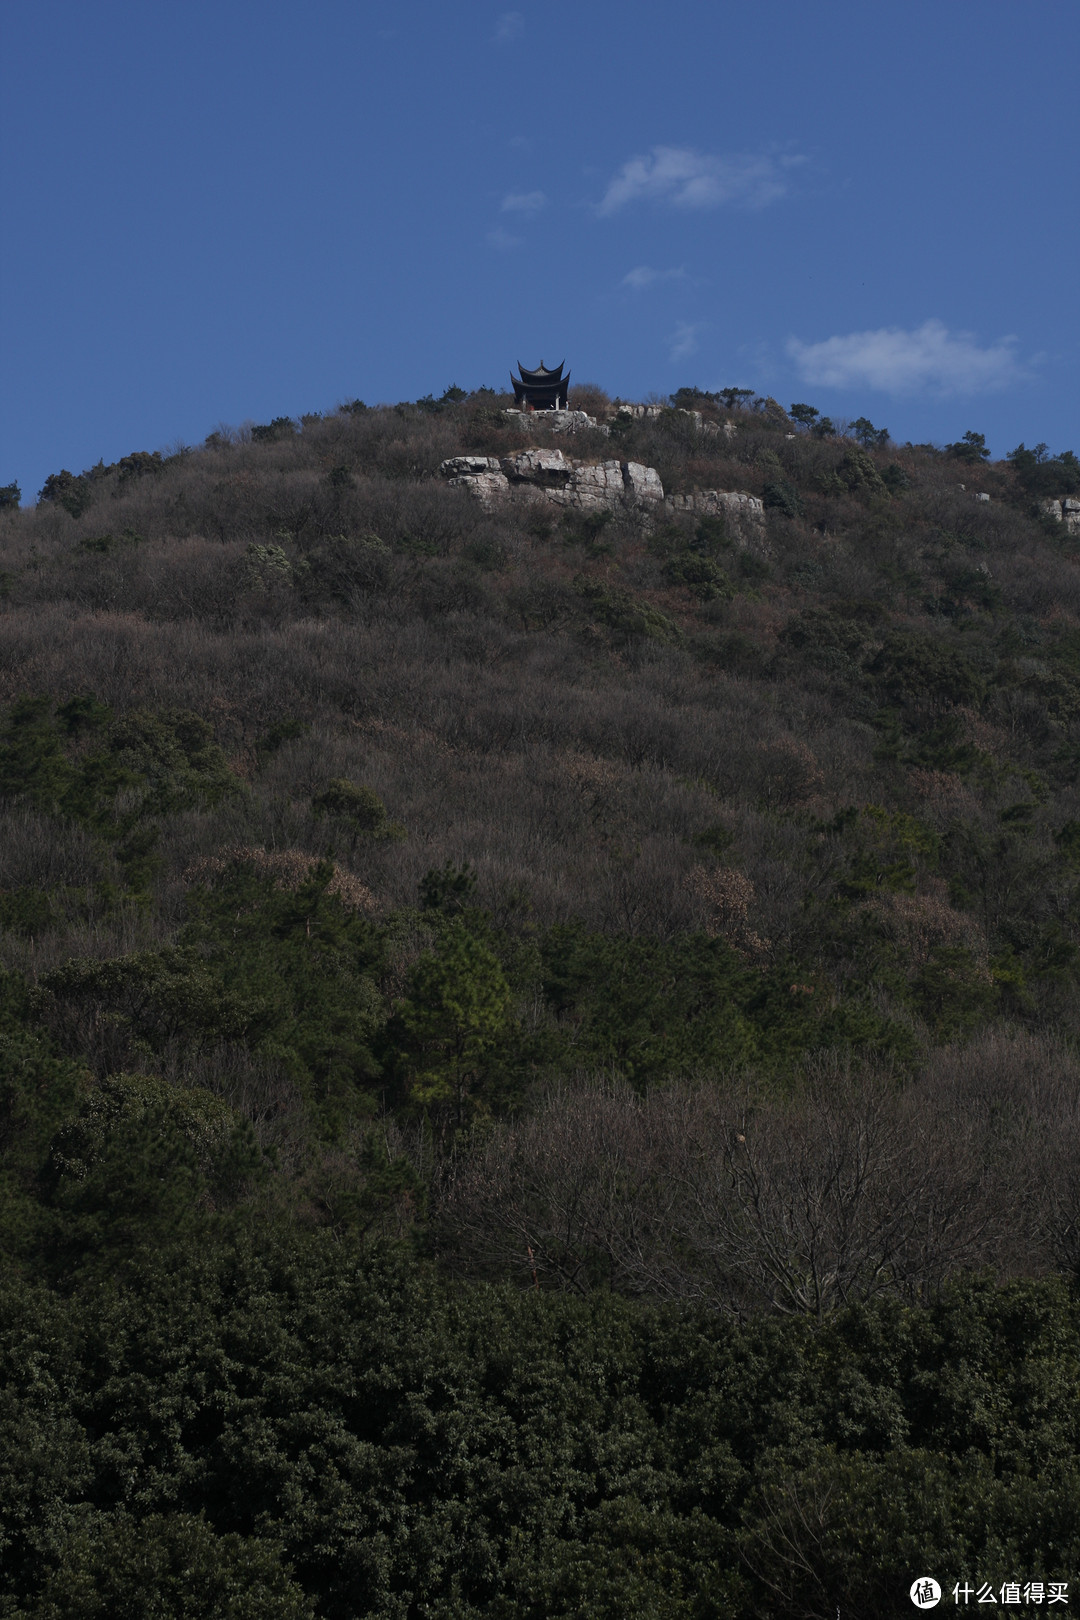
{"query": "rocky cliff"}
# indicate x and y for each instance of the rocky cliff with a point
(592, 486)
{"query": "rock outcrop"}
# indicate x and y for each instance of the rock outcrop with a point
(1065, 511)
(544, 475)
(555, 421)
(549, 475)
(650, 413)
(745, 513)
(581, 421)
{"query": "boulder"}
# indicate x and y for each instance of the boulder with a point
(489, 487)
(548, 468)
(1066, 510)
(642, 482)
(466, 466)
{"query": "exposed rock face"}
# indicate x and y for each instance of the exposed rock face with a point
(650, 413)
(593, 486)
(1065, 511)
(579, 421)
(555, 421)
(550, 475)
(480, 475)
(547, 468)
(745, 513)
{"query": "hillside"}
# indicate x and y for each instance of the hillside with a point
(626, 898)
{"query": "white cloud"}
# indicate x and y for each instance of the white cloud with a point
(503, 240)
(684, 341)
(645, 276)
(524, 202)
(511, 25)
(689, 179)
(898, 362)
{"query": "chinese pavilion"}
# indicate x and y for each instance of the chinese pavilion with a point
(541, 390)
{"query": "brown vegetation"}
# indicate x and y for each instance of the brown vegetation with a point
(857, 765)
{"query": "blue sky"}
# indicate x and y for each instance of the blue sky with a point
(231, 211)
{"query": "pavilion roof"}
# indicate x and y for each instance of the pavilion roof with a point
(542, 375)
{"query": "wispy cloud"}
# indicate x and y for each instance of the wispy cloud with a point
(645, 276)
(687, 179)
(524, 202)
(684, 341)
(503, 240)
(511, 25)
(899, 362)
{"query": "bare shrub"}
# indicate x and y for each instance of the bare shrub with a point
(841, 1191)
(727, 896)
(287, 869)
(591, 398)
(1020, 1094)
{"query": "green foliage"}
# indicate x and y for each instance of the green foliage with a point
(117, 1567)
(924, 673)
(138, 464)
(703, 577)
(38, 1092)
(710, 537)
(151, 998)
(447, 888)
(291, 972)
(626, 615)
(971, 449)
(140, 1167)
(282, 427)
(106, 545)
(10, 496)
(804, 415)
(66, 490)
(587, 531)
(650, 1009)
(870, 437)
(455, 1012)
(883, 850)
(136, 768)
(360, 807)
(291, 1429)
(157, 762)
(281, 732)
(342, 568)
(854, 473)
(1040, 474)
(780, 496)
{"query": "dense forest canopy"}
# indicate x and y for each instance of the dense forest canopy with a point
(539, 1059)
